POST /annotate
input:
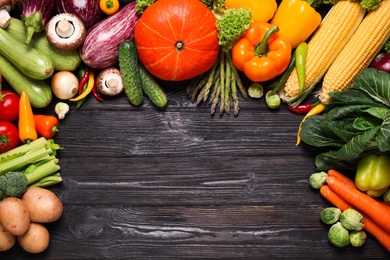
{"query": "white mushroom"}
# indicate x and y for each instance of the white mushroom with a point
(66, 31)
(109, 82)
(6, 6)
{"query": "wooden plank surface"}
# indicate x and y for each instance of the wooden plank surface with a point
(179, 183)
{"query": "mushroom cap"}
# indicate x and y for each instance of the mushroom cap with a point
(109, 82)
(76, 28)
(9, 5)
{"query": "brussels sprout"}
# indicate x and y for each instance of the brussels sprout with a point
(273, 101)
(351, 219)
(357, 238)
(256, 90)
(317, 180)
(330, 215)
(338, 235)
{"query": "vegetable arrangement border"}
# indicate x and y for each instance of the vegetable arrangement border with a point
(60, 51)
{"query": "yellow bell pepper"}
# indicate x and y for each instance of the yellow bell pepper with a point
(296, 20)
(262, 10)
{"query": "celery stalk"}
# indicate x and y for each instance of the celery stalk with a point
(22, 149)
(32, 156)
(36, 152)
(36, 172)
(47, 181)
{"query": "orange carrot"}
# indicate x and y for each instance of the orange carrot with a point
(341, 177)
(333, 198)
(361, 202)
(369, 225)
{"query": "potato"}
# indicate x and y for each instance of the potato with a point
(36, 239)
(7, 240)
(14, 215)
(43, 205)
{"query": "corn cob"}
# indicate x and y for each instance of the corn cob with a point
(368, 39)
(325, 44)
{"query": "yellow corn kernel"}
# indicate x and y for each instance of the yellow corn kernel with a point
(361, 49)
(326, 43)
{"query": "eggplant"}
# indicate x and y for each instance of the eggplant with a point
(35, 14)
(100, 47)
(87, 10)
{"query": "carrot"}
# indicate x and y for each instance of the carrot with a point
(369, 225)
(333, 198)
(362, 202)
(341, 177)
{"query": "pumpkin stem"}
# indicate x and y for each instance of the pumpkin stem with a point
(261, 48)
(179, 45)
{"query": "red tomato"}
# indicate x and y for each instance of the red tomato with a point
(9, 106)
(9, 136)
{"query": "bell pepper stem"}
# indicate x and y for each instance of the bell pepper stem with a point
(261, 48)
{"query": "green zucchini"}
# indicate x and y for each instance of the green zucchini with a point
(32, 62)
(62, 60)
(128, 65)
(152, 89)
(38, 91)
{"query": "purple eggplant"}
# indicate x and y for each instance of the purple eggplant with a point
(87, 10)
(100, 47)
(35, 14)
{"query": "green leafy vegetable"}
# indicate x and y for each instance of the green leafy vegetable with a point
(355, 123)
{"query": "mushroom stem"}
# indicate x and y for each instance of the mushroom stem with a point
(64, 28)
(112, 83)
(5, 18)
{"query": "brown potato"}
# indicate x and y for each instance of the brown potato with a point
(43, 205)
(7, 240)
(14, 216)
(36, 239)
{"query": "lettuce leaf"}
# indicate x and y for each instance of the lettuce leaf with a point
(355, 123)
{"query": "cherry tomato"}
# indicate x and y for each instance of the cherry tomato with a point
(9, 106)
(9, 136)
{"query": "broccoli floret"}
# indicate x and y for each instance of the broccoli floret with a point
(214, 4)
(13, 184)
(141, 5)
(232, 25)
(317, 3)
(387, 46)
(370, 5)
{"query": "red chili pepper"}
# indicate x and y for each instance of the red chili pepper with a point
(95, 94)
(83, 81)
(302, 108)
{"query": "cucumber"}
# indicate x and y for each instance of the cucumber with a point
(38, 91)
(152, 89)
(62, 60)
(128, 65)
(32, 62)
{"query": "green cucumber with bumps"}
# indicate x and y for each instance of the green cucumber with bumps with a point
(38, 91)
(128, 65)
(62, 60)
(152, 89)
(32, 62)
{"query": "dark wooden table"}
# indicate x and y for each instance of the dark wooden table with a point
(179, 183)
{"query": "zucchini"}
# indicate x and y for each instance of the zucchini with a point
(128, 65)
(62, 60)
(38, 91)
(32, 62)
(152, 89)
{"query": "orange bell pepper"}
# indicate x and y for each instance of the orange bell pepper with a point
(262, 10)
(296, 20)
(261, 54)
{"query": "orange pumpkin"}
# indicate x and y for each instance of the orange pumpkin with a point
(177, 39)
